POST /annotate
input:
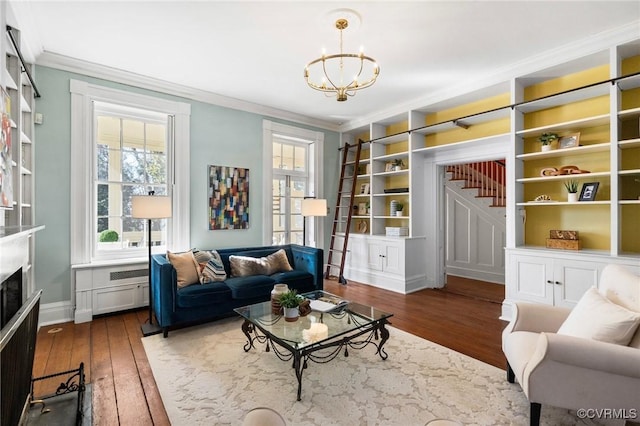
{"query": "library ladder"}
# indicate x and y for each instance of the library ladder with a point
(343, 211)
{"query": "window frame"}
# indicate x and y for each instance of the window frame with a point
(315, 140)
(83, 96)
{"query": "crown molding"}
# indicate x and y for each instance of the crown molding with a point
(500, 77)
(66, 63)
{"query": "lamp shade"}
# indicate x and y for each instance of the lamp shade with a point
(150, 206)
(314, 207)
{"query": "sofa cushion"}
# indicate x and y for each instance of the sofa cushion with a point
(595, 317)
(242, 266)
(250, 287)
(301, 281)
(203, 295)
(185, 266)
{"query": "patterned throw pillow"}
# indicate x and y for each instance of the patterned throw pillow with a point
(212, 269)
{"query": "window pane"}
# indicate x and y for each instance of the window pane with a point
(156, 138)
(133, 134)
(299, 157)
(102, 162)
(287, 157)
(156, 168)
(103, 200)
(133, 166)
(277, 155)
(108, 132)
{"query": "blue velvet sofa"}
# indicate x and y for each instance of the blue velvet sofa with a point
(174, 306)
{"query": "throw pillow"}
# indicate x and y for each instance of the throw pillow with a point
(243, 266)
(185, 266)
(201, 256)
(597, 318)
(213, 269)
(278, 262)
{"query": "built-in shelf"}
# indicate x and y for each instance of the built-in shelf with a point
(585, 149)
(563, 203)
(563, 177)
(597, 120)
(629, 143)
(565, 98)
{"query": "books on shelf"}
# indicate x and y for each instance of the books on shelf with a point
(327, 303)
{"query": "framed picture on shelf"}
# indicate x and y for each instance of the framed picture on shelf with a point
(362, 209)
(569, 141)
(388, 167)
(589, 190)
(364, 189)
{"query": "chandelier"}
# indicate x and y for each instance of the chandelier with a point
(335, 68)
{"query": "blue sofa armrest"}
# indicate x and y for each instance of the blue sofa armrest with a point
(309, 259)
(164, 287)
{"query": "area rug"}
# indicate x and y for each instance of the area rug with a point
(205, 378)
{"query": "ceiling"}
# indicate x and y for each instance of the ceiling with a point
(256, 51)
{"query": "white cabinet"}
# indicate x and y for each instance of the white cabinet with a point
(386, 256)
(101, 289)
(391, 263)
(552, 277)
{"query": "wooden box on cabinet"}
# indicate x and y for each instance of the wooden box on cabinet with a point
(559, 243)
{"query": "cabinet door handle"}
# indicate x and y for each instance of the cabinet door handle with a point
(549, 282)
(558, 283)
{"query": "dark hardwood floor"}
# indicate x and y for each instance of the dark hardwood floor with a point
(124, 391)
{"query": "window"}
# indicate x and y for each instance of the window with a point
(131, 158)
(290, 183)
(291, 172)
(124, 144)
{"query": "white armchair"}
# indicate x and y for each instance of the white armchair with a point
(575, 372)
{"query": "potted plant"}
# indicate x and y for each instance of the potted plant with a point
(398, 164)
(290, 301)
(545, 139)
(399, 208)
(572, 189)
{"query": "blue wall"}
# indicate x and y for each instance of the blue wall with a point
(219, 135)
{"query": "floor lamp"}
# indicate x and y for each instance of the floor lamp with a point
(311, 207)
(150, 207)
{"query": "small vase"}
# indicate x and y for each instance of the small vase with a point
(278, 289)
(572, 197)
(399, 213)
(546, 148)
(291, 314)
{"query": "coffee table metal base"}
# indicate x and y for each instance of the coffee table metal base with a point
(377, 335)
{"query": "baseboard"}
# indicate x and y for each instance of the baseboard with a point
(55, 313)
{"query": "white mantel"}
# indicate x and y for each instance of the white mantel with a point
(16, 251)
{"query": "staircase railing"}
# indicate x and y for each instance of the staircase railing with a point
(488, 177)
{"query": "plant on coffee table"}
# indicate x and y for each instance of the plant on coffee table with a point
(290, 302)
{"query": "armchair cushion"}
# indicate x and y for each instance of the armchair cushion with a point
(596, 318)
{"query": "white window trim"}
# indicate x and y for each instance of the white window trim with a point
(269, 128)
(83, 95)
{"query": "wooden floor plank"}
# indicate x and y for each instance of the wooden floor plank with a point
(150, 389)
(59, 359)
(104, 406)
(130, 397)
(82, 349)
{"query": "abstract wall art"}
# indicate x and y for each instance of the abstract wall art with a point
(228, 198)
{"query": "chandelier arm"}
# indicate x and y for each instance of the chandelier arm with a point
(324, 69)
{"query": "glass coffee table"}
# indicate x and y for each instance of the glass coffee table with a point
(319, 336)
